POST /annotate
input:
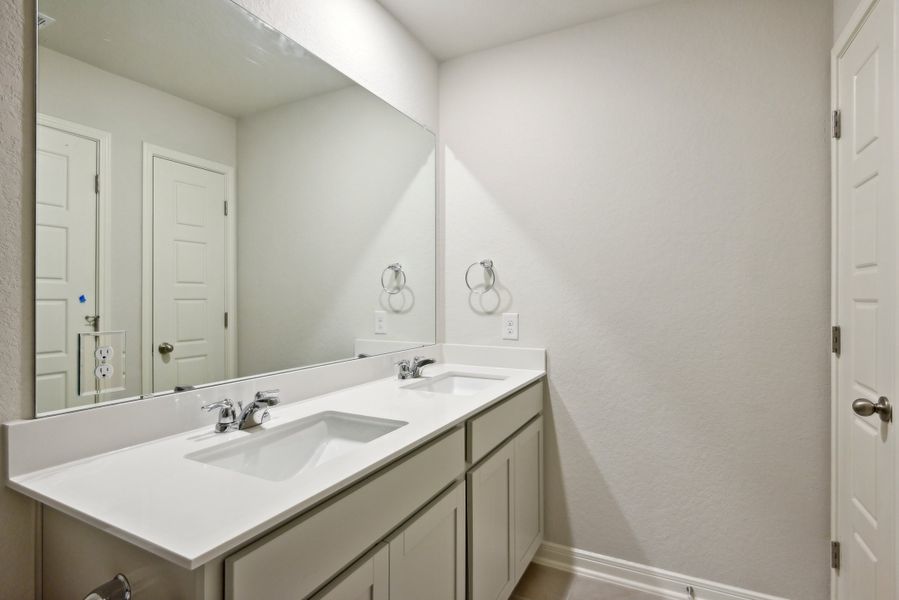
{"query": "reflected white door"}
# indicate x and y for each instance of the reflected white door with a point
(188, 275)
(65, 262)
(866, 307)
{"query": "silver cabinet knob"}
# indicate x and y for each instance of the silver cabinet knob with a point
(166, 348)
(865, 408)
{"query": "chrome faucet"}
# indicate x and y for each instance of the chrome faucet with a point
(262, 402)
(254, 413)
(406, 369)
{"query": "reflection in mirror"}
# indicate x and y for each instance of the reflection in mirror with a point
(214, 202)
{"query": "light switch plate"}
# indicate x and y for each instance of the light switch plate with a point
(510, 326)
(380, 322)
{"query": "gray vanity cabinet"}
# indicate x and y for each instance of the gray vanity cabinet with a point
(505, 521)
(427, 557)
(297, 558)
(457, 518)
(424, 559)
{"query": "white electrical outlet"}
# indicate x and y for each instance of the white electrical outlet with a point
(103, 353)
(103, 371)
(510, 326)
(380, 322)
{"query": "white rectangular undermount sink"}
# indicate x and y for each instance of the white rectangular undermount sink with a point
(281, 452)
(460, 384)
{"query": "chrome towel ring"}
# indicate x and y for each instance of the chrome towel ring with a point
(398, 273)
(488, 269)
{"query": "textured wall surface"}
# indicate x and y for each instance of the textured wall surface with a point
(842, 11)
(17, 515)
(361, 39)
(653, 189)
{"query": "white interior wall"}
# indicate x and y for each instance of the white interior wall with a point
(17, 513)
(332, 189)
(842, 11)
(132, 113)
(653, 189)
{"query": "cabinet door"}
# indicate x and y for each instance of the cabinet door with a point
(527, 499)
(427, 556)
(490, 565)
(366, 580)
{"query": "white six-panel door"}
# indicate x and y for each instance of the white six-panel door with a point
(865, 252)
(65, 261)
(189, 275)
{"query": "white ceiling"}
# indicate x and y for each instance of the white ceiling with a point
(207, 51)
(450, 28)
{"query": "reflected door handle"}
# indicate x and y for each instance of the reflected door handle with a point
(166, 348)
(865, 408)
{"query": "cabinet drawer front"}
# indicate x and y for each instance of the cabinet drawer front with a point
(490, 429)
(294, 560)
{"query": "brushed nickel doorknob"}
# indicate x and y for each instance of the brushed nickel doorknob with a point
(865, 408)
(166, 348)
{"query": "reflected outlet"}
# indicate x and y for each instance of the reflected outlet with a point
(510, 326)
(104, 371)
(380, 322)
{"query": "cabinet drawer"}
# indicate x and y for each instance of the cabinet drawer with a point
(490, 429)
(294, 560)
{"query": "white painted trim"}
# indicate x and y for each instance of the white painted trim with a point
(635, 576)
(151, 151)
(104, 213)
(844, 40)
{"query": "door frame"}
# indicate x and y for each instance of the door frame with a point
(103, 263)
(841, 45)
(151, 151)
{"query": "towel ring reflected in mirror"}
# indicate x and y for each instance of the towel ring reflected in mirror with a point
(398, 274)
(487, 264)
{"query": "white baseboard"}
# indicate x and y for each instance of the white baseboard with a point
(639, 577)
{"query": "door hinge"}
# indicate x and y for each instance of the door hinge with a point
(836, 343)
(835, 555)
(226, 320)
(97, 183)
(837, 124)
(226, 208)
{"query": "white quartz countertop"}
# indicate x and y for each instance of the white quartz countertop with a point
(189, 512)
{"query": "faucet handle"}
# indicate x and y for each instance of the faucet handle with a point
(223, 404)
(270, 397)
(403, 369)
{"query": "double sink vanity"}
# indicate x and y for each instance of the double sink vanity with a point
(426, 487)
(238, 391)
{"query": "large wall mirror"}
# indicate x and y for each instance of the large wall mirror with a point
(214, 202)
